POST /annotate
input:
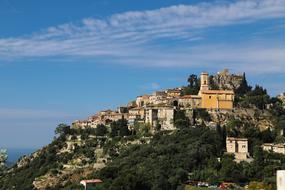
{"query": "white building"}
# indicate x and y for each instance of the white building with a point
(277, 148)
(238, 147)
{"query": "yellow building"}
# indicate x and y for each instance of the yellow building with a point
(214, 99)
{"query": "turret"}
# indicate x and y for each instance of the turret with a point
(204, 81)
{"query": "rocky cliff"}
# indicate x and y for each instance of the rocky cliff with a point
(227, 81)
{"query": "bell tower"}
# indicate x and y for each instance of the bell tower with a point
(204, 81)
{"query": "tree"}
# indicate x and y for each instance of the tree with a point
(281, 123)
(62, 129)
(254, 185)
(120, 128)
(233, 127)
(244, 87)
(203, 114)
(212, 84)
(222, 132)
(180, 119)
(124, 131)
(193, 87)
(258, 97)
(258, 156)
(228, 166)
(143, 129)
(192, 79)
(3, 159)
(101, 130)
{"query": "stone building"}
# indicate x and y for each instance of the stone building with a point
(142, 101)
(158, 109)
(136, 113)
(158, 99)
(238, 147)
(86, 123)
(207, 98)
(123, 109)
(162, 116)
(277, 148)
(159, 93)
(189, 101)
(214, 99)
(217, 99)
(173, 92)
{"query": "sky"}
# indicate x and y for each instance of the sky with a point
(66, 60)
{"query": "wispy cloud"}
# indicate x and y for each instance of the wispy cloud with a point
(19, 113)
(151, 86)
(132, 37)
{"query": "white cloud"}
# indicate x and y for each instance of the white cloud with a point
(131, 37)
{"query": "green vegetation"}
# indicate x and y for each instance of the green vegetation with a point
(202, 114)
(120, 128)
(243, 88)
(171, 160)
(181, 121)
(193, 87)
(257, 97)
(48, 160)
(143, 129)
(188, 187)
(212, 84)
(259, 185)
(101, 130)
(164, 163)
(3, 159)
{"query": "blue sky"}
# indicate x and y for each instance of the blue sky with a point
(65, 60)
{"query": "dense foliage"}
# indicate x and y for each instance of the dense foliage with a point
(165, 163)
(193, 86)
(243, 88)
(191, 154)
(120, 128)
(181, 120)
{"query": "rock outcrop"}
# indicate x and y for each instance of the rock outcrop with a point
(227, 81)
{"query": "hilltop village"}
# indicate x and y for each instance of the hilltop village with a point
(217, 130)
(158, 109)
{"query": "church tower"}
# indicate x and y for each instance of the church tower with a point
(204, 81)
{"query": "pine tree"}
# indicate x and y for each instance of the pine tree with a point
(244, 87)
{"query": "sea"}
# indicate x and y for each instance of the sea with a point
(15, 153)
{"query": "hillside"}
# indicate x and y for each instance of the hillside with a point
(180, 145)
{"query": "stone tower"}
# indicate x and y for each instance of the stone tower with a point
(204, 81)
